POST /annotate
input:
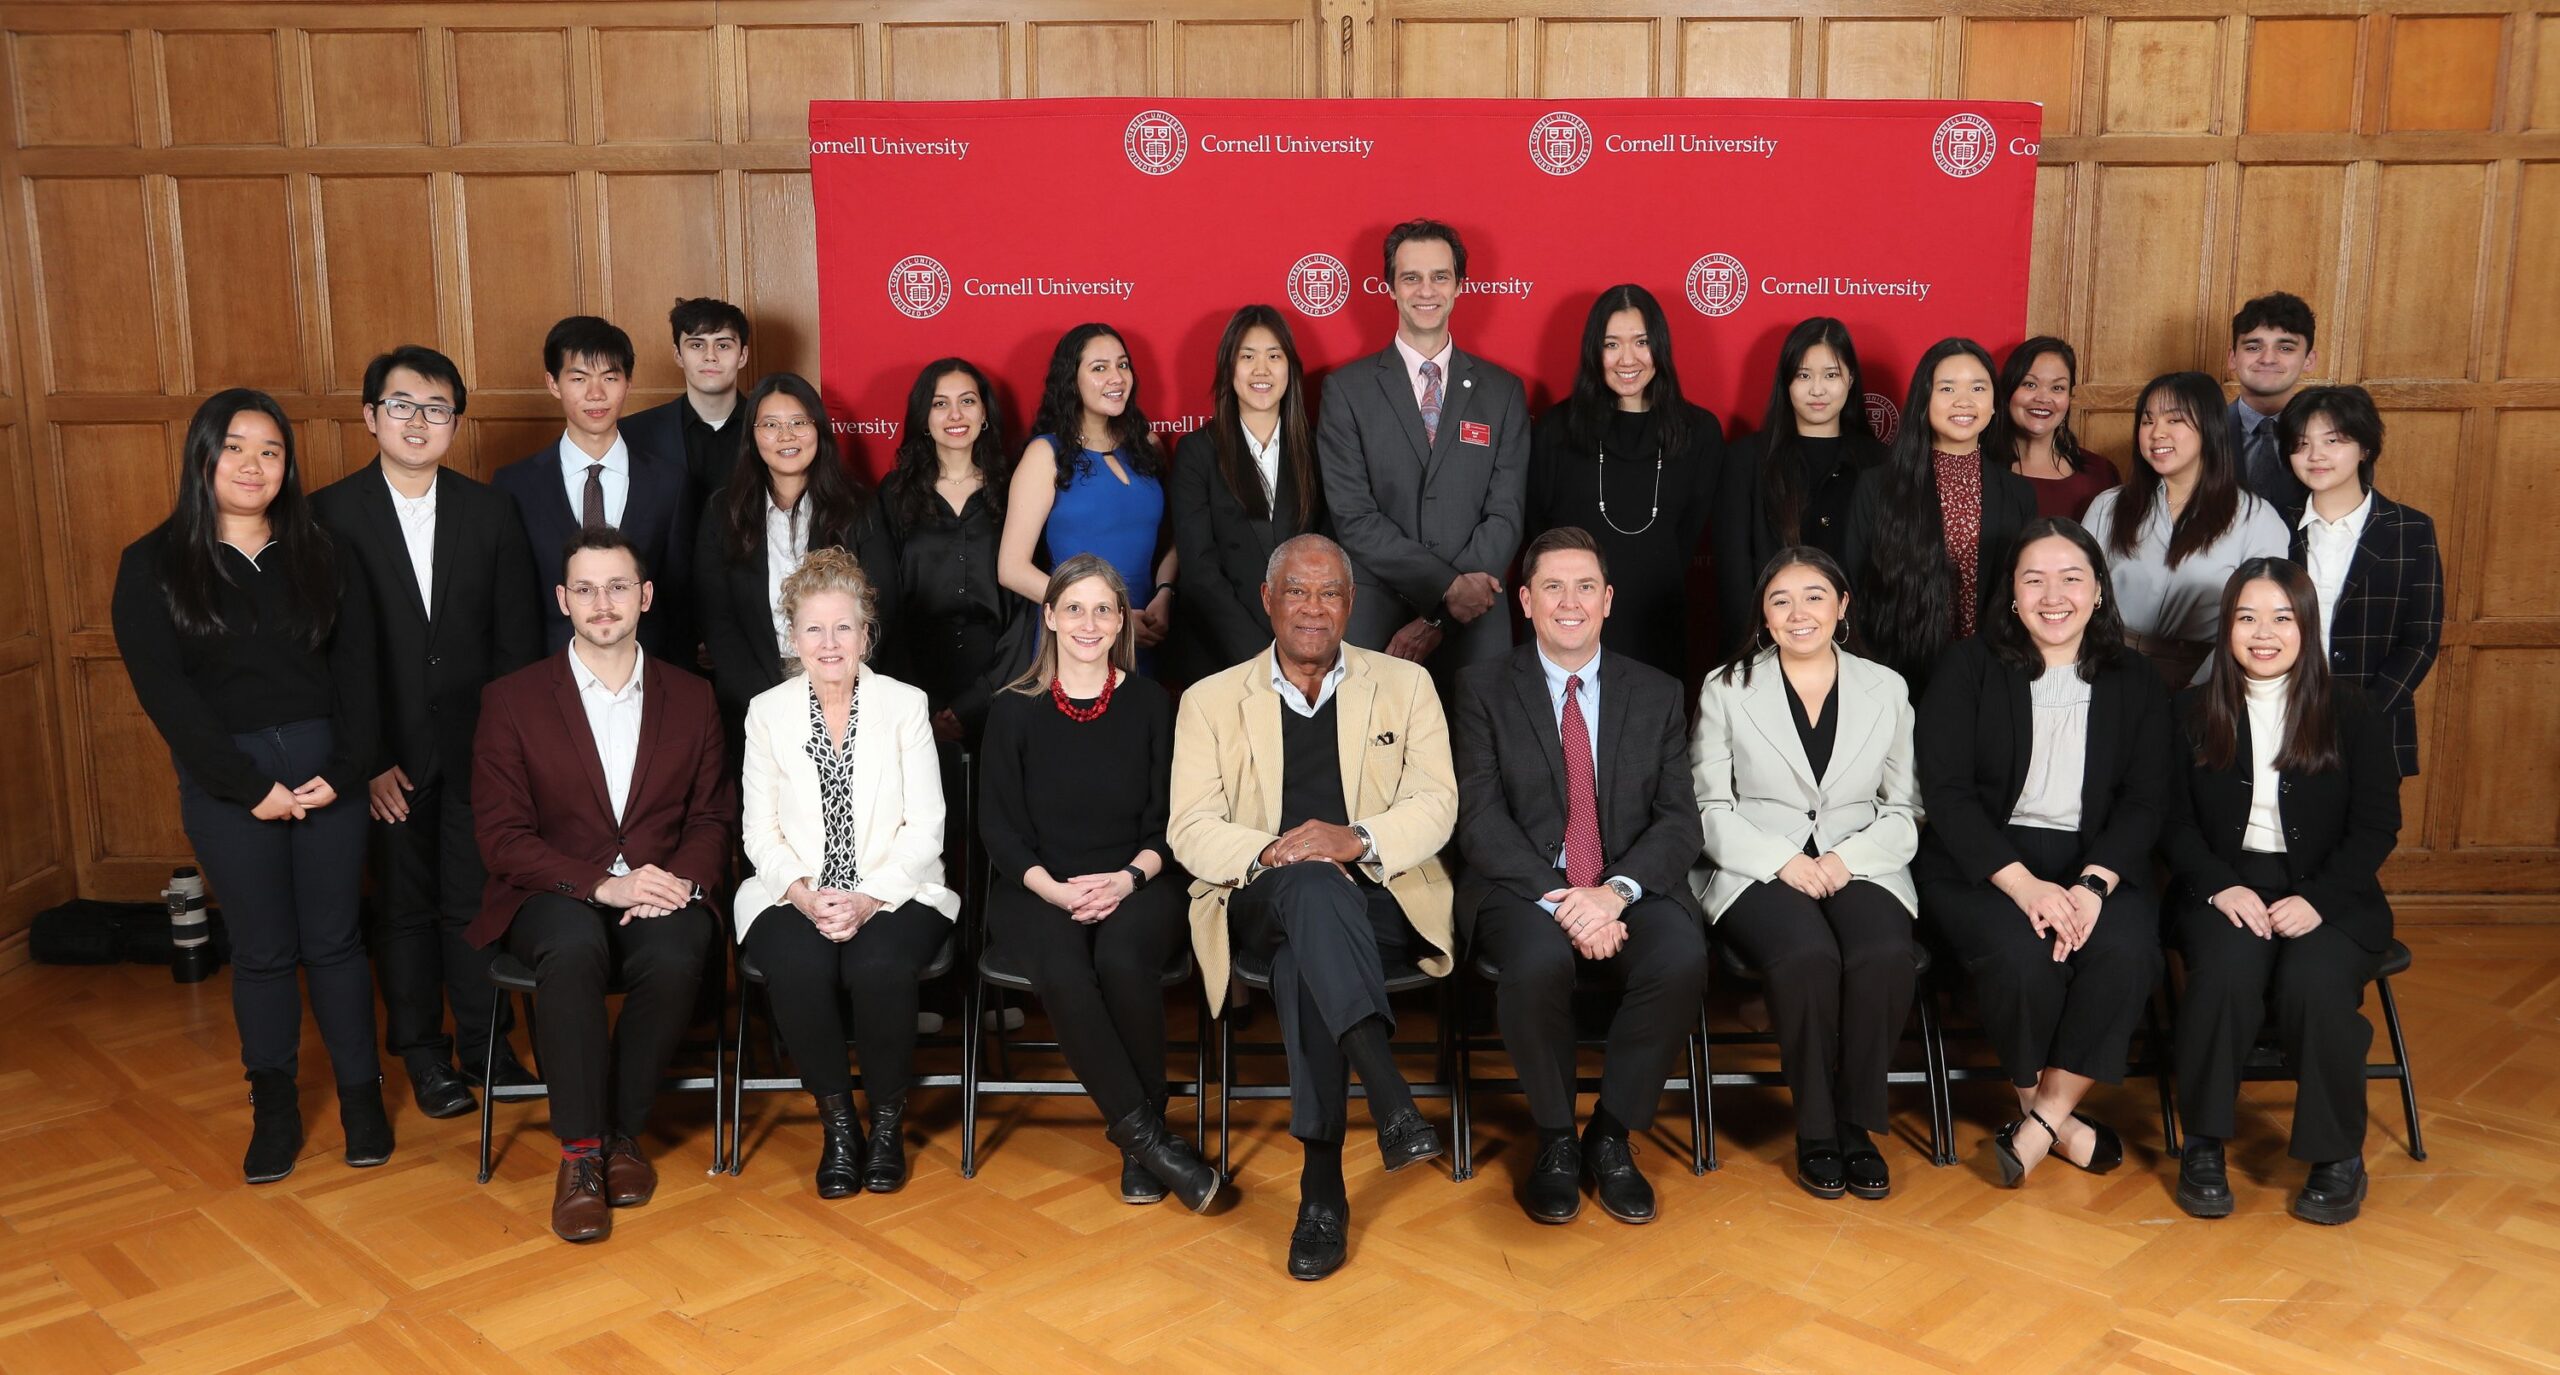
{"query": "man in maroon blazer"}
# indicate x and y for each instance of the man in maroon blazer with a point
(605, 804)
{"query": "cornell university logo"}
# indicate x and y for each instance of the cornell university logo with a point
(1717, 284)
(1964, 145)
(918, 287)
(1155, 142)
(1560, 143)
(1319, 285)
(1883, 417)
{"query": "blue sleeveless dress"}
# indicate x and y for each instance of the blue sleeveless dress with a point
(1096, 513)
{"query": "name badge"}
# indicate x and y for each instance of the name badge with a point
(1475, 432)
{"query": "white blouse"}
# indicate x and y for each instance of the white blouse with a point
(2181, 603)
(2265, 833)
(2060, 755)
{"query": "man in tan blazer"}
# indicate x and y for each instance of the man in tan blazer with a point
(1312, 793)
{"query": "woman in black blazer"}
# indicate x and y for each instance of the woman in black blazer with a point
(2279, 821)
(2372, 560)
(1240, 486)
(2043, 761)
(1792, 482)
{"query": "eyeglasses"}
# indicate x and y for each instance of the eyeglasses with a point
(403, 411)
(618, 590)
(780, 428)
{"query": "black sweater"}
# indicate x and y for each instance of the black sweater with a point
(1076, 797)
(1649, 571)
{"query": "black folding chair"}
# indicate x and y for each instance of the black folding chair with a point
(1401, 978)
(2266, 1060)
(1701, 1142)
(1931, 1076)
(513, 976)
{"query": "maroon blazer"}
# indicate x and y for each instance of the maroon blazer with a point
(539, 803)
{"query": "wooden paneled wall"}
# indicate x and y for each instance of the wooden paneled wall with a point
(207, 194)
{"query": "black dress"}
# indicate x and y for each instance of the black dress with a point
(957, 620)
(1828, 472)
(1648, 568)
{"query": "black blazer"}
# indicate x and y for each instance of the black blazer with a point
(661, 427)
(1223, 552)
(734, 610)
(2390, 615)
(2338, 826)
(1510, 763)
(434, 657)
(658, 515)
(2008, 503)
(1975, 740)
(1745, 541)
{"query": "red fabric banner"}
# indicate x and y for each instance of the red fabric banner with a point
(988, 228)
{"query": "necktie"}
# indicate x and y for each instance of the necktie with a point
(593, 515)
(1582, 856)
(1431, 402)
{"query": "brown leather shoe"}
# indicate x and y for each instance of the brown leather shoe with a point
(578, 1209)
(629, 1178)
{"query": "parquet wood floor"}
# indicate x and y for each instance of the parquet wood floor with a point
(127, 1241)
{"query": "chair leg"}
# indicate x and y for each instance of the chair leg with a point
(2161, 1073)
(2400, 1057)
(1200, 1071)
(1703, 1073)
(720, 1067)
(489, 1079)
(1462, 1097)
(1933, 1062)
(969, 1075)
(1698, 1145)
(738, 1085)
(1226, 1085)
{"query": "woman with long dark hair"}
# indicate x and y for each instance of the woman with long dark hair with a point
(2180, 523)
(250, 644)
(2287, 803)
(1628, 459)
(1925, 532)
(937, 525)
(2033, 429)
(1792, 482)
(2044, 766)
(1242, 485)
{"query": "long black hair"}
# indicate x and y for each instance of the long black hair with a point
(1911, 595)
(1589, 407)
(835, 499)
(2310, 742)
(189, 567)
(1297, 437)
(1782, 492)
(1061, 413)
(2002, 440)
(908, 491)
(2215, 503)
(2101, 642)
(1737, 666)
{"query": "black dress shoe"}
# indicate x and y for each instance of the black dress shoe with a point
(1405, 1139)
(2106, 1153)
(1320, 1242)
(2333, 1194)
(1863, 1165)
(1553, 1194)
(1610, 1161)
(440, 1091)
(2204, 1184)
(1820, 1168)
(840, 1153)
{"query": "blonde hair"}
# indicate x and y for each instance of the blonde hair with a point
(1124, 650)
(831, 569)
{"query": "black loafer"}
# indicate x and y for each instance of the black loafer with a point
(1320, 1242)
(1553, 1194)
(1820, 1168)
(2106, 1153)
(1405, 1139)
(1610, 1161)
(440, 1091)
(1863, 1165)
(2333, 1194)
(2204, 1183)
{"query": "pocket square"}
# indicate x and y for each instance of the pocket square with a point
(1387, 739)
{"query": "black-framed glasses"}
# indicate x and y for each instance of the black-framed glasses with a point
(436, 412)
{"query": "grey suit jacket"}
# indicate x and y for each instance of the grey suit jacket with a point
(1415, 513)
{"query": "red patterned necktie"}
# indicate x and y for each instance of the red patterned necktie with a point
(1582, 855)
(1431, 402)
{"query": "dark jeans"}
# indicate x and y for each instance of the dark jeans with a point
(1102, 983)
(809, 977)
(428, 885)
(1839, 973)
(603, 1081)
(288, 891)
(1662, 970)
(1328, 941)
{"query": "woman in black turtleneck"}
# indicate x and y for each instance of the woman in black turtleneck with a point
(1791, 482)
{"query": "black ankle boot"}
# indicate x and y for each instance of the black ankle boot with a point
(275, 1126)
(884, 1164)
(840, 1155)
(1169, 1158)
(367, 1126)
(1138, 1184)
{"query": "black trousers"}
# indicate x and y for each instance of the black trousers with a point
(603, 1081)
(2315, 983)
(1328, 941)
(429, 881)
(1839, 973)
(1102, 983)
(809, 978)
(2075, 1015)
(1662, 971)
(288, 891)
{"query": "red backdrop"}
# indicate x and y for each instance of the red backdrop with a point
(988, 228)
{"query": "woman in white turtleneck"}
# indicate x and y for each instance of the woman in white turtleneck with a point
(2277, 829)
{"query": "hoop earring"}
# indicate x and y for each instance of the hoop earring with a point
(1840, 632)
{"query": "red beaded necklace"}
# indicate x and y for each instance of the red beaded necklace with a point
(1068, 709)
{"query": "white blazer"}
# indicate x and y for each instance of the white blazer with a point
(1759, 801)
(897, 784)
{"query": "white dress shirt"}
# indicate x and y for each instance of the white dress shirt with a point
(418, 530)
(574, 462)
(1413, 368)
(1266, 459)
(1588, 693)
(1297, 701)
(613, 718)
(2329, 547)
(786, 542)
(2058, 761)
(2265, 832)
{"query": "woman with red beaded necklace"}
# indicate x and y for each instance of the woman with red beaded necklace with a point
(1073, 781)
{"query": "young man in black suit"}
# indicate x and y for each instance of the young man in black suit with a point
(597, 476)
(1579, 823)
(711, 353)
(2273, 343)
(445, 561)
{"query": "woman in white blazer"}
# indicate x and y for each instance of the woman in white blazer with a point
(1802, 763)
(842, 794)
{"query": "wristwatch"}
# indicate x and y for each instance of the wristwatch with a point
(1137, 876)
(1625, 888)
(2094, 884)
(1368, 845)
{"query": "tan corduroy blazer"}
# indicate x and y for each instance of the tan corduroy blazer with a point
(1397, 781)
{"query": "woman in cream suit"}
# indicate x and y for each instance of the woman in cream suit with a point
(1802, 763)
(843, 826)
